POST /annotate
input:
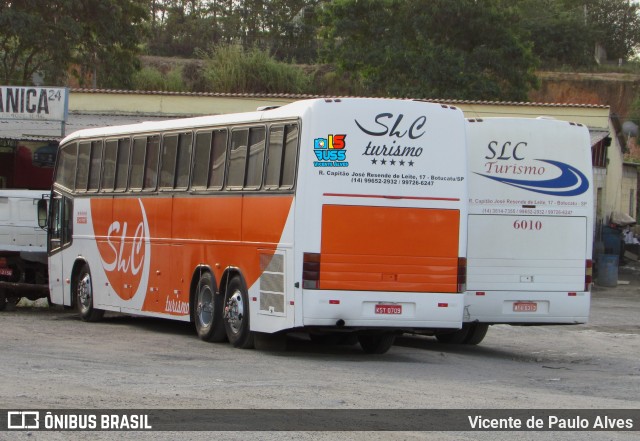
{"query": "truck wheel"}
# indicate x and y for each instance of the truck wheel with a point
(207, 311)
(3, 300)
(236, 315)
(376, 343)
(84, 296)
(476, 334)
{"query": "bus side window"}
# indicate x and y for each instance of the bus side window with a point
(95, 165)
(201, 154)
(66, 172)
(109, 171)
(61, 226)
(151, 163)
(82, 172)
(55, 223)
(274, 157)
(168, 168)
(290, 156)
(176, 154)
(238, 158)
(183, 160)
(255, 159)
(218, 159)
(137, 163)
(281, 157)
(122, 164)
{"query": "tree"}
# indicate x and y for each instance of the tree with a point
(464, 49)
(96, 36)
(284, 27)
(616, 25)
(565, 32)
(553, 27)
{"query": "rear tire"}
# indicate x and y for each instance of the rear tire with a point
(455, 337)
(376, 343)
(236, 315)
(83, 289)
(476, 334)
(207, 310)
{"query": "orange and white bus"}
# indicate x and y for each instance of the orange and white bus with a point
(327, 215)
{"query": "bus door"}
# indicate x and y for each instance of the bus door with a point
(59, 237)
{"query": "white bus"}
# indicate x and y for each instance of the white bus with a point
(530, 225)
(328, 215)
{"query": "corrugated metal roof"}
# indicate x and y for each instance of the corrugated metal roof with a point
(29, 130)
(308, 96)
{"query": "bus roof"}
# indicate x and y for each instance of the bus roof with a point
(294, 109)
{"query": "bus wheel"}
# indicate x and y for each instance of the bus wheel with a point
(455, 337)
(84, 296)
(476, 333)
(236, 315)
(376, 343)
(207, 311)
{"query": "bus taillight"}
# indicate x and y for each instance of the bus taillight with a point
(311, 270)
(588, 274)
(462, 274)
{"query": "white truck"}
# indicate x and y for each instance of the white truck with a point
(530, 225)
(23, 248)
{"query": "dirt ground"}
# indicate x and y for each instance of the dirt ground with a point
(50, 359)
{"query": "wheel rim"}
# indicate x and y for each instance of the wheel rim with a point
(235, 312)
(85, 295)
(204, 308)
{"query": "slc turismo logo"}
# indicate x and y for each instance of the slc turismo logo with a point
(125, 251)
(570, 182)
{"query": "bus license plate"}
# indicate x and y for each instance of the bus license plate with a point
(525, 307)
(388, 309)
(6, 272)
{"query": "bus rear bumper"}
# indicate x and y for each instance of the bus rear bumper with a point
(371, 309)
(524, 307)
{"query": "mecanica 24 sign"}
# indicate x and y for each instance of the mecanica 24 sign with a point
(37, 103)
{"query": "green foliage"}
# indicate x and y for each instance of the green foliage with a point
(150, 78)
(232, 69)
(634, 111)
(615, 24)
(553, 26)
(95, 36)
(286, 28)
(430, 48)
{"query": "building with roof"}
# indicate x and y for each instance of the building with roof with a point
(27, 148)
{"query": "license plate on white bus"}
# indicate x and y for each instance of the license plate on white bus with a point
(525, 307)
(389, 309)
(6, 272)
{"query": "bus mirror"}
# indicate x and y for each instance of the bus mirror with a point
(42, 213)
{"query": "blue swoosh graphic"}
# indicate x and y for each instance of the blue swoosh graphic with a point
(569, 178)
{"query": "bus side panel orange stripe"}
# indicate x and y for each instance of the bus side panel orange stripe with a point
(186, 232)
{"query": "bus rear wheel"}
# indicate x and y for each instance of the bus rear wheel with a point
(376, 343)
(470, 334)
(207, 311)
(455, 337)
(477, 333)
(84, 296)
(236, 315)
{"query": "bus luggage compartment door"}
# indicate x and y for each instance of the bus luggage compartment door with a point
(402, 249)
